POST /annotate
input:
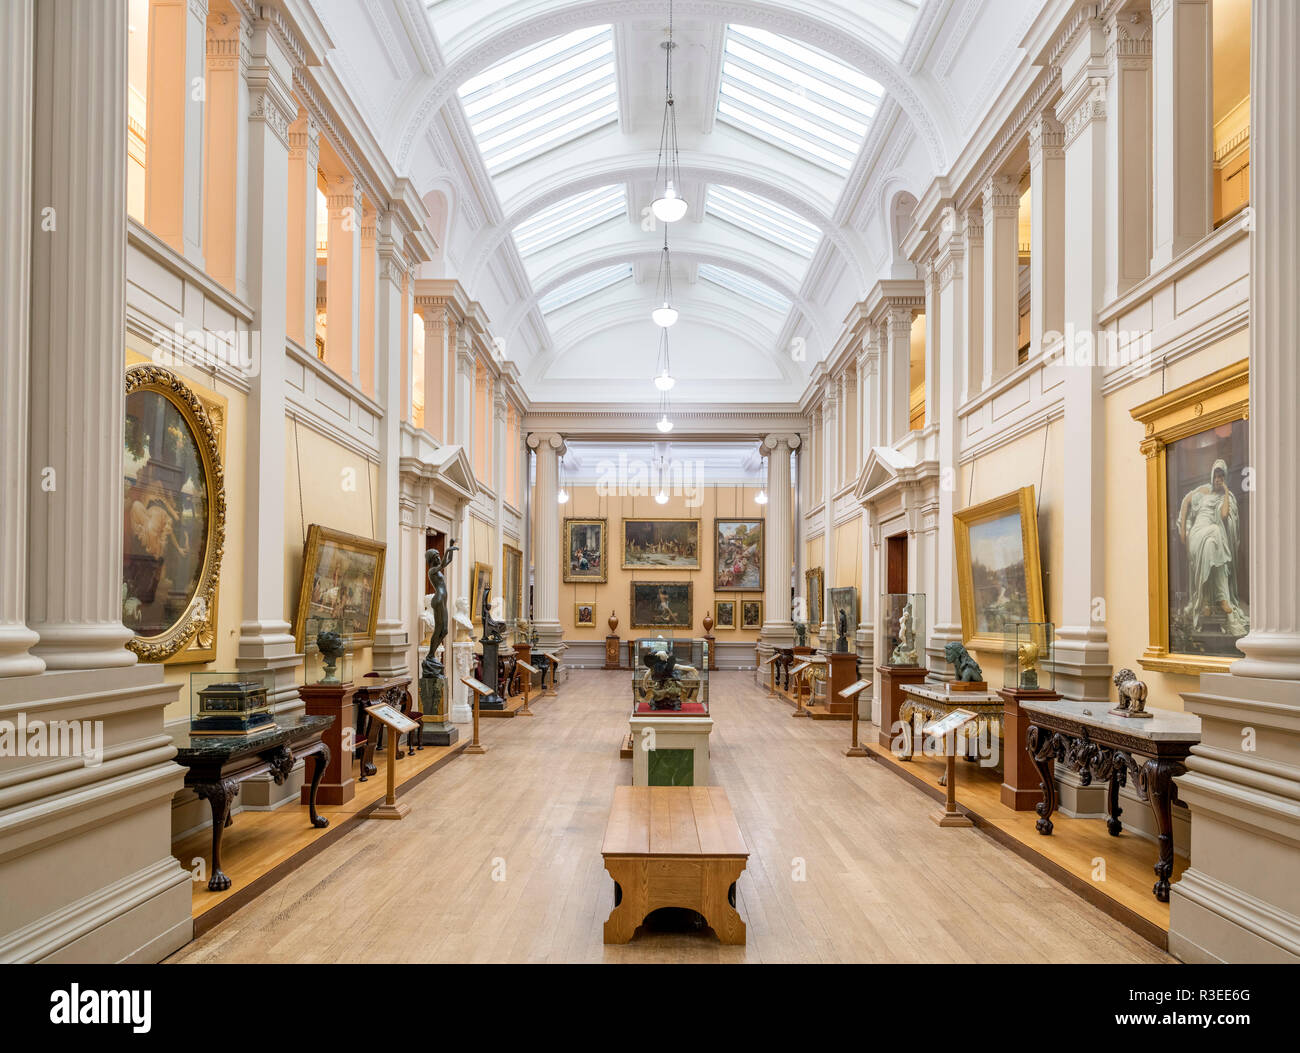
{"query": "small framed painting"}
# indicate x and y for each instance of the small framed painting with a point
(844, 601)
(584, 615)
(815, 587)
(751, 614)
(585, 542)
(724, 614)
(480, 578)
(661, 604)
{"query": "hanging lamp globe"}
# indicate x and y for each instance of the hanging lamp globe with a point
(760, 498)
(665, 381)
(665, 316)
(664, 425)
(669, 206)
(563, 496)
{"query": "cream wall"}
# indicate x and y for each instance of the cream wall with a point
(725, 502)
(1127, 607)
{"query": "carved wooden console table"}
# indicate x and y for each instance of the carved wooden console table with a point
(1098, 745)
(372, 691)
(219, 763)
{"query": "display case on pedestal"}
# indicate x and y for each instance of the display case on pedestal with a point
(1029, 673)
(670, 722)
(903, 614)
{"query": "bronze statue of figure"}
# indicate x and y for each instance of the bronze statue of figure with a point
(493, 630)
(435, 565)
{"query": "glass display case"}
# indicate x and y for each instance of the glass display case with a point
(329, 669)
(1029, 652)
(904, 614)
(231, 703)
(671, 675)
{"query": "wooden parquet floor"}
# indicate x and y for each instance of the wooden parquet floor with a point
(499, 859)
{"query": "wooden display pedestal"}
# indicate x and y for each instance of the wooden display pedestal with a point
(892, 680)
(613, 652)
(332, 700)
(713, 651)
(843, 671)
(1021, 785)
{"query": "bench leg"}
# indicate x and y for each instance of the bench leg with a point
(705, 886)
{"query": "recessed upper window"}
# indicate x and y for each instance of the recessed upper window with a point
(764, 218)
(543, 97)
(584, 285)
(795, 96)
(735, 282)
(569, 217)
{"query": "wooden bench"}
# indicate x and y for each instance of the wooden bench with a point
(673, 846)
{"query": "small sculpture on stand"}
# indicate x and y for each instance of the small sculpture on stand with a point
(905, 650)
(842, 640)
(330, 645)
(436, 729)
(464, 625)
(664, 688)
(493, 633)
(1132, 695)
(1027, 660)
(967, 670)
(801, 634)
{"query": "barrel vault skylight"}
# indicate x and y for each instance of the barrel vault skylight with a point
(583, 286)
(570, 217)
(764, 218)
(795, 97)
(745, 286)
(543, 97)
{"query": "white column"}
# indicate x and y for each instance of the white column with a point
(1239, 899)
(367, 283)
(898, 371)
(546, 530)
(1046, 229)
(264, 634)
(464, 419)
(498, 463)
(1128, 150)
(1083, 668)
(972, 227)
(390, 634)
(1182, 116)
(78, 291)
(934, 325)
(944, 614)
(830, 475)
(1001, 276)
(433, 313)
(868, 379)
(304, 159)
(778, 629)
(17, 21)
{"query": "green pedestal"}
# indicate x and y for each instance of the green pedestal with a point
(436, 729)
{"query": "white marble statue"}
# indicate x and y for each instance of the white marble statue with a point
(1209, 526)
(464, 625)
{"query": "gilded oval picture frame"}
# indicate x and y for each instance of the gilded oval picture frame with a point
(174, 514)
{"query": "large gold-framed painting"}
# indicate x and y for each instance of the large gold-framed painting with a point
(815, 587)
(661, 544)
(738, 555)
(480, 578)
(661, 604)
(174, 517)
(999, 578)
(512, 576)
(342, 575)
(1197, 446)
(585, 544)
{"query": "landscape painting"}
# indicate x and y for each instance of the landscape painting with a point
(341, 578)
(661, 604)
(738, 555)
(997, 567)
(664, 544)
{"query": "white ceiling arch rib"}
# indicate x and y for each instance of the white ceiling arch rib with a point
(843, 29)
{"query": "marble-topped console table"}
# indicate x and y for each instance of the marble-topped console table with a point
(1100, 745)
(219, 763)
(934, 701)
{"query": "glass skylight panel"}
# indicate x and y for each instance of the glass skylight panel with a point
(584, 285)
(795, 97)
(764, 218)
(569, 217)
(542, 97)
(742, 284)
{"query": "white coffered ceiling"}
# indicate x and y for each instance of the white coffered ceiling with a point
(537, 124)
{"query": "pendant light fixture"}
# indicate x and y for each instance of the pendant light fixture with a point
(664, 424)
(666, 315)
(664, 380)
(562, 496)
(668, 205)
(760, 498)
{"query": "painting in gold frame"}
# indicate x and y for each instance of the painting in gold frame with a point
(661, 544)
(512, 576)
(999, 578)
(661, 604)
(738, 555)
(1196, 444)
(480, 577)
(724, 614)
(342, 576)
(584, 615)
(751, 614)
(586, 548)
(815, 587)
(174, 509)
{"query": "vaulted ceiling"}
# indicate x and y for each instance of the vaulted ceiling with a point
(533, 126)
